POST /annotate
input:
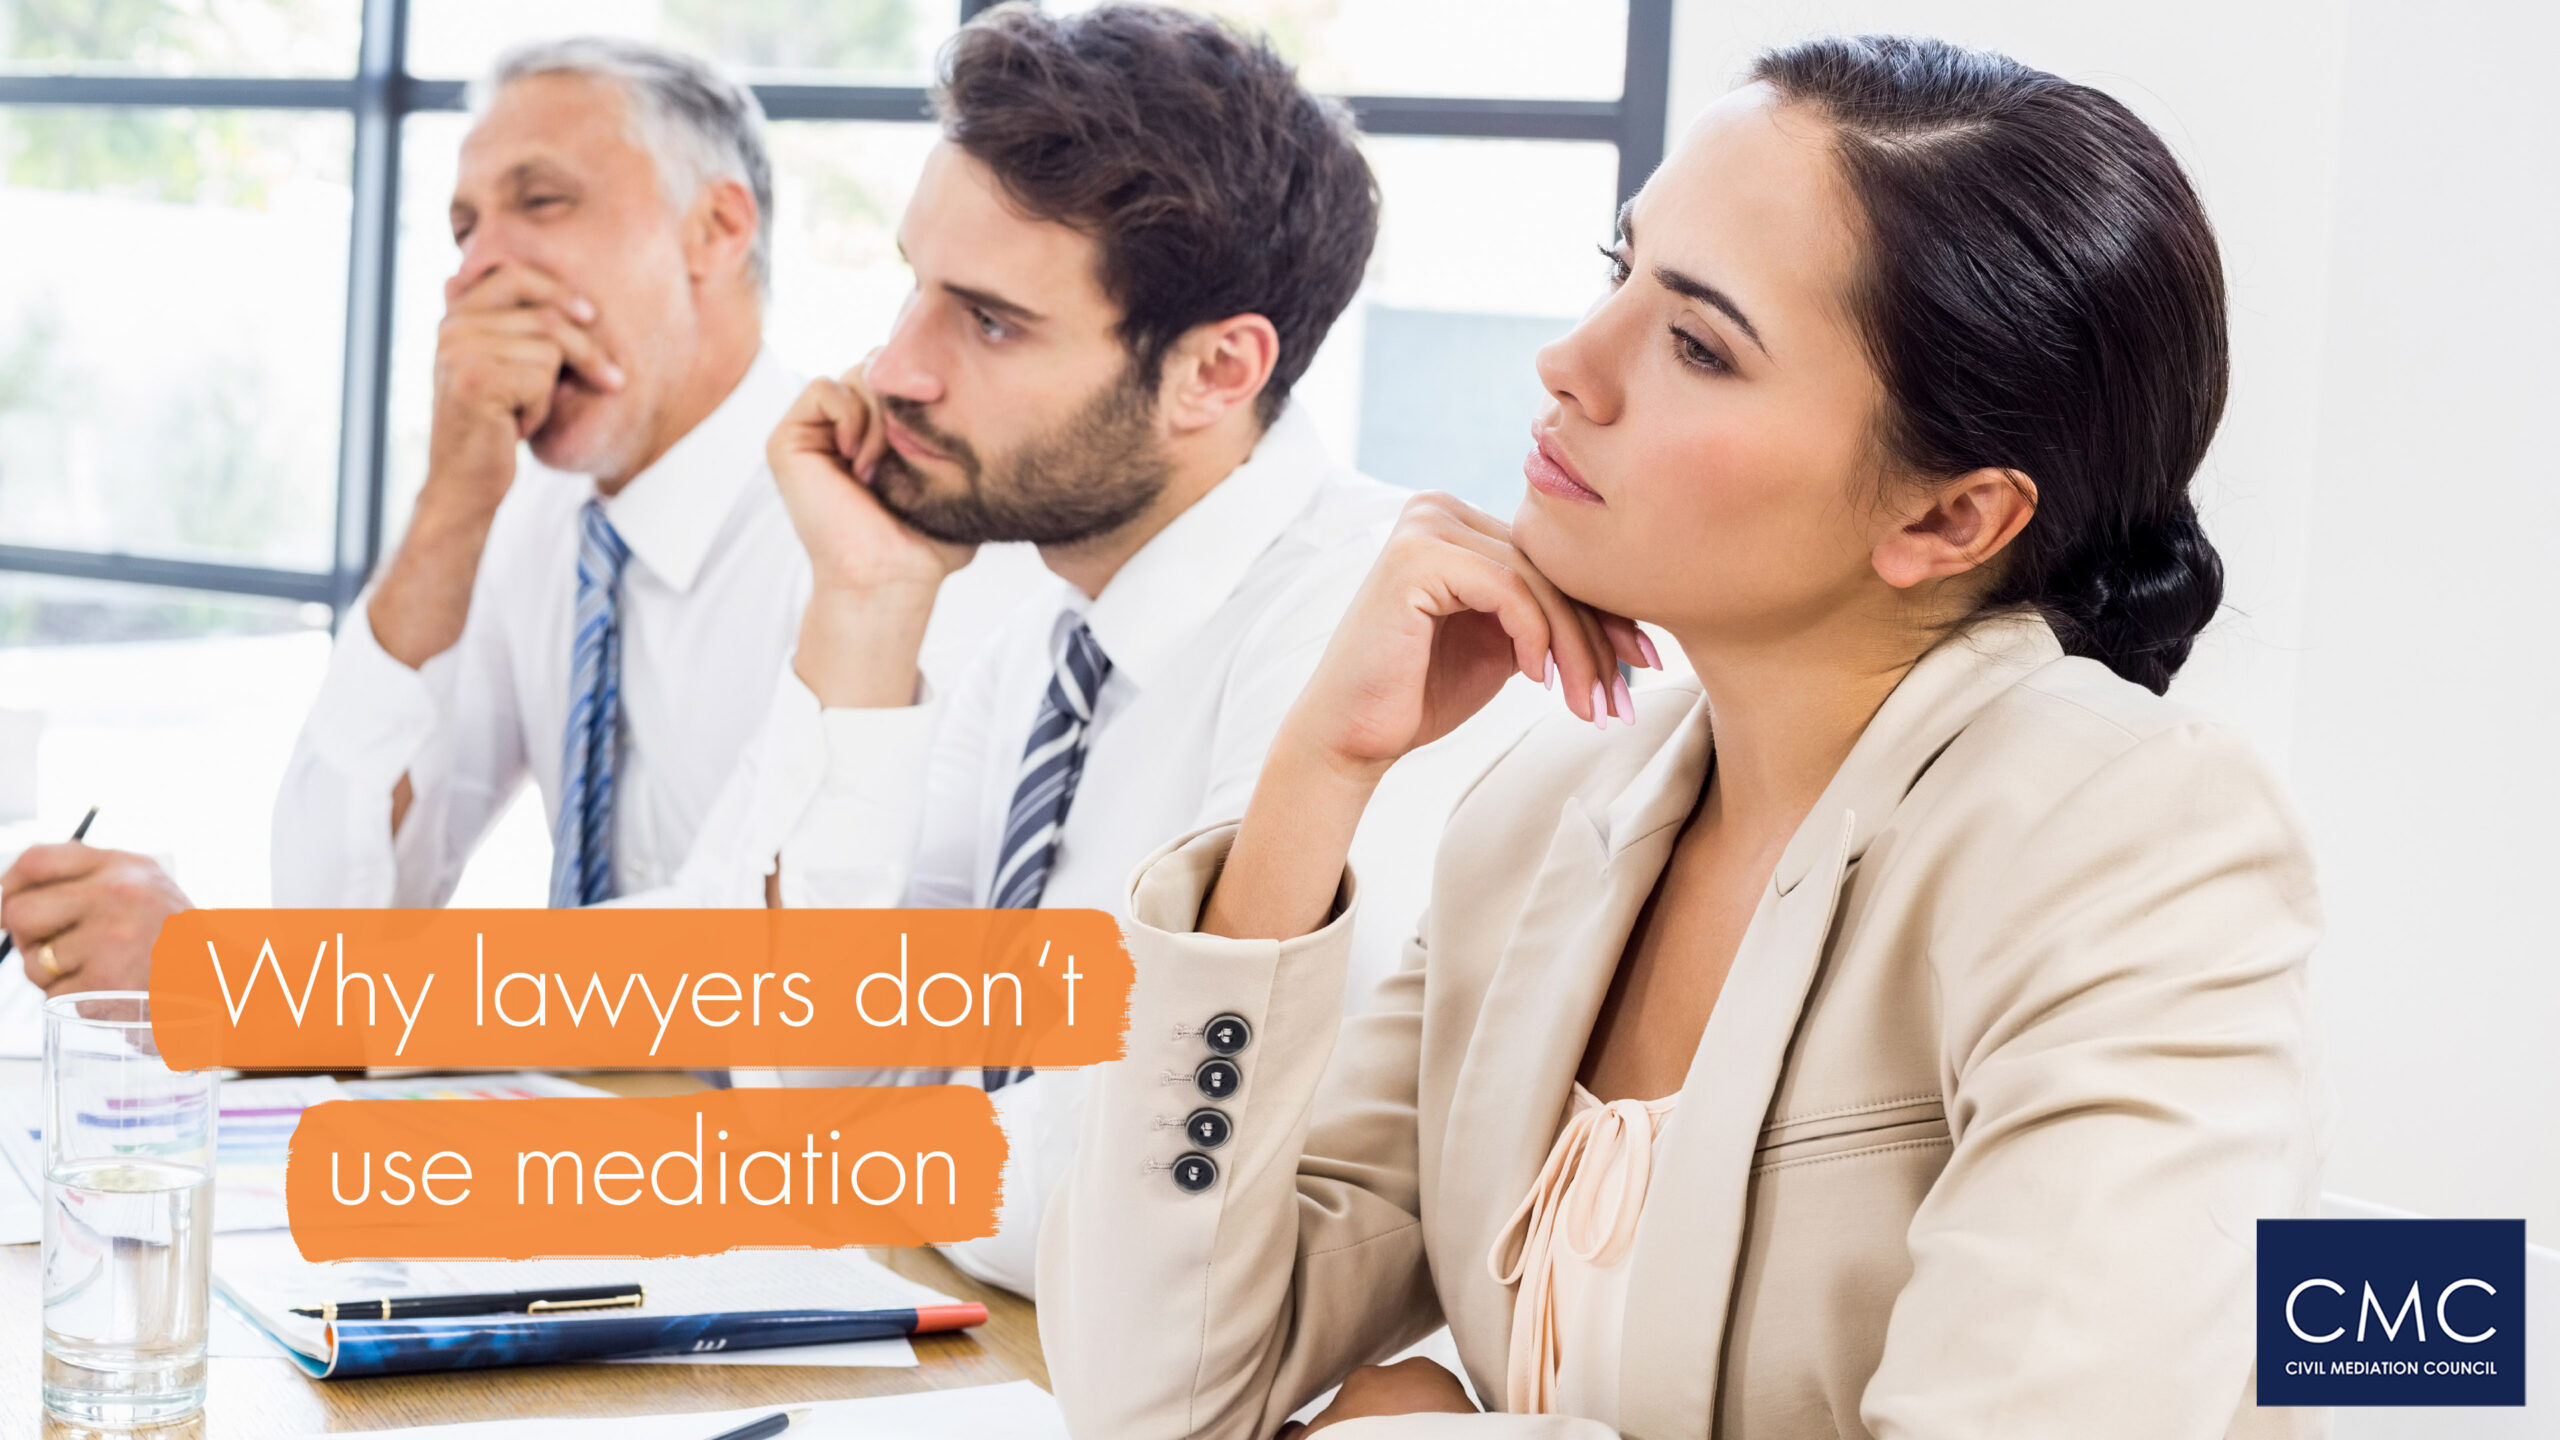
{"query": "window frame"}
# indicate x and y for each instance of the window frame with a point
(382, 93)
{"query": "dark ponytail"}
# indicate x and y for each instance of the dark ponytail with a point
(2042, 293)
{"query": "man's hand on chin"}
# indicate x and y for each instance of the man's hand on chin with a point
(85, 918)
(824, 454)
(513, 337)
(874, 578)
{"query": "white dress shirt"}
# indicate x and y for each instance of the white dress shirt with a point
(1212, 627)
(711, 602)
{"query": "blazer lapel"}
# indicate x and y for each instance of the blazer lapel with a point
(1680, 1278)
(1536, 1019)
(1689, 1240)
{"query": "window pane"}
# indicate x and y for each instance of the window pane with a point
(180, 37)
(1514, 49)
(45, 610)
(424, 258)
(889, 42)
(837, 283)
(1429, 379)
(172, 711)
(837, 279)
(172, 322)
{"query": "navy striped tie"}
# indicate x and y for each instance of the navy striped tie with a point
(1052, 761)
(582, 839)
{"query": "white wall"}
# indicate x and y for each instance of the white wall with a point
(2430, 672)
(2383, 181)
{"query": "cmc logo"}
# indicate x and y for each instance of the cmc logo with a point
(2391, 1312)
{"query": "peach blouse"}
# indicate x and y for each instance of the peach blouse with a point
(1566, 1248)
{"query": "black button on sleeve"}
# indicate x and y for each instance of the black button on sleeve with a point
(1195, 1173)
(1217, 1079)
(1208, 1128)
(1227, 1034)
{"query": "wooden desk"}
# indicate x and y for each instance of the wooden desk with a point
(257, 1399)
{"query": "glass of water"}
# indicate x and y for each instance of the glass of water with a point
(128, 1217)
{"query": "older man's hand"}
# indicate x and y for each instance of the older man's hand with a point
(85, 918)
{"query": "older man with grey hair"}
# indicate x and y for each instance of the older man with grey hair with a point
(610, 620)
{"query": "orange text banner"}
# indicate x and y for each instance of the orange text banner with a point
(668, 1175)
(638, 989)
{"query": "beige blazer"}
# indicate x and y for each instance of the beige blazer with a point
(2013, 1054)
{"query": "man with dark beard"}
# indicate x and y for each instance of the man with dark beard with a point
(1134, 234)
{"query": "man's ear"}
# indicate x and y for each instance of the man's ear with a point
(720, 230)
(1967, 521)
(1216, 369)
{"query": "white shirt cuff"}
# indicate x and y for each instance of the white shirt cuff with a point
(841, 796)
(373, 714)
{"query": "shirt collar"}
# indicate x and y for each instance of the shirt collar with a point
(671, 512)
(1189, 568)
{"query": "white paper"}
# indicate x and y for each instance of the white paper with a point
(21, 1003)
(21, 1217)
(21, 1012)
(255, 1120)
(258, 1117)
(22, 1141)
(1019, 1411)
(514, 1085)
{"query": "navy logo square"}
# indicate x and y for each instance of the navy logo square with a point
(2391, 1312)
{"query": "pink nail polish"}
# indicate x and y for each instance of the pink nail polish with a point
(1652, 656)
(1599, 705)
(1626, 703)
(1551, 670)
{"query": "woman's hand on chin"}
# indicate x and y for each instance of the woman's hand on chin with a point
(1408, 1387)
(1451, 610)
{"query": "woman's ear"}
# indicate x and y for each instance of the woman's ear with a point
(1967, 521)
(1217, 368)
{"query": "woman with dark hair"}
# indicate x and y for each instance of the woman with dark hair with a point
(1901, 1030)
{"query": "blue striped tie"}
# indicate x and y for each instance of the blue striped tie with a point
(582, 840)
(1052, 761)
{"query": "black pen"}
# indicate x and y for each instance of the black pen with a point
(10, 942)
(773, 1424)
(503, 1302)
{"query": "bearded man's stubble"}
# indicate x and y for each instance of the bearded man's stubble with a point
(1090, 476)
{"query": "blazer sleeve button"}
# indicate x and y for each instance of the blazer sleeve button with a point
(1227, 1034)
(1217, 1079)
(1195, 1173)
(1208, 1127)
